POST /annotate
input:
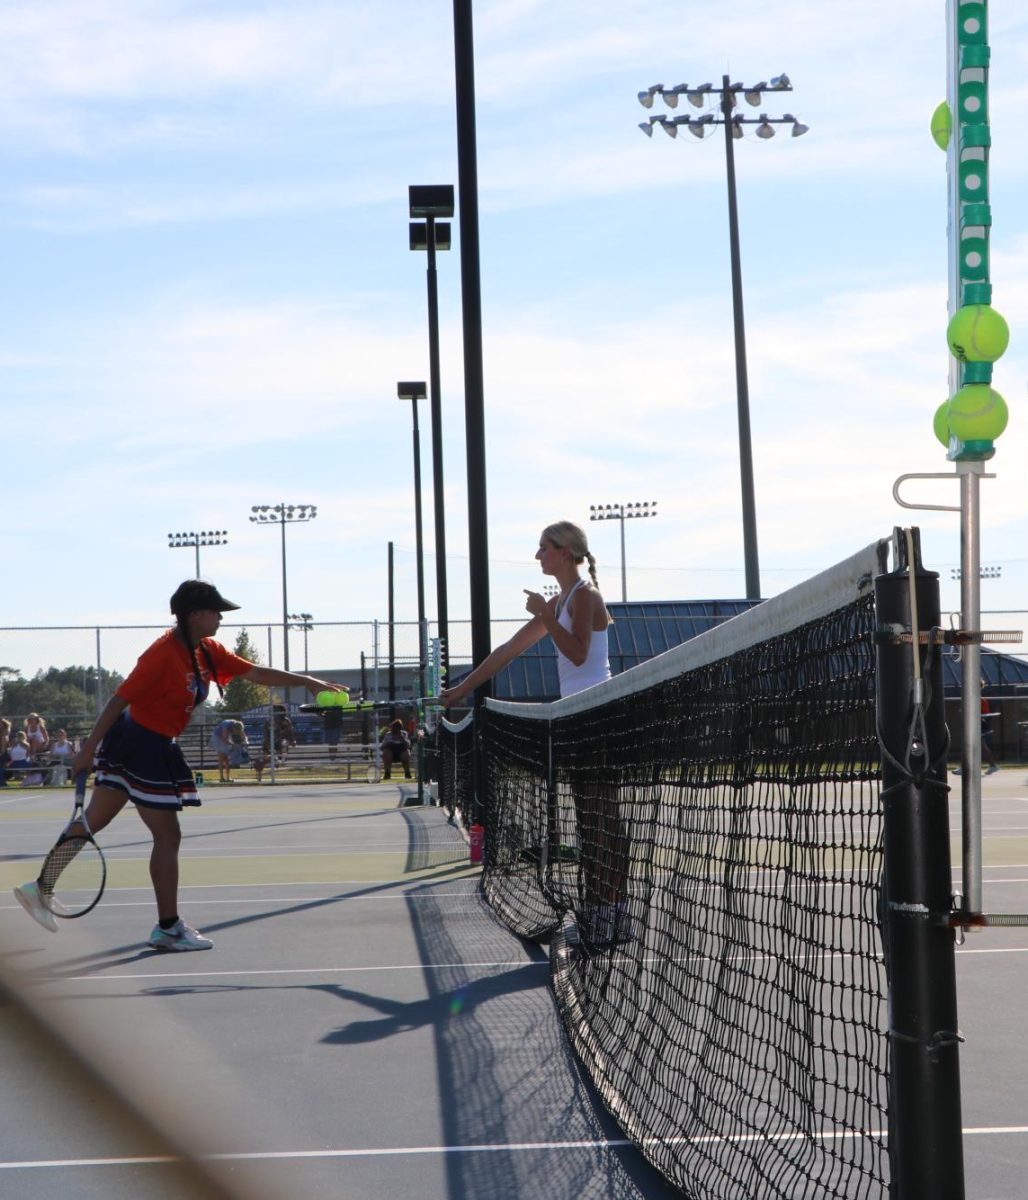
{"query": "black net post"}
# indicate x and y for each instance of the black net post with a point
(925, 1147)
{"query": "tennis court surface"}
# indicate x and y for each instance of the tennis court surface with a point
(362, 1028)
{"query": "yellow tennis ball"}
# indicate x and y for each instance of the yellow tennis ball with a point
(977, 333)
(942, 126)
(940, 425)
(977, 413)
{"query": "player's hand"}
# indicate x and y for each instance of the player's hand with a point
(320, 685)
(83, 761)
(449, 696)
(535, 603)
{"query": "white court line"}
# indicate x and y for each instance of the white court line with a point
(487, 1148)
(441, 966)
(520, 962)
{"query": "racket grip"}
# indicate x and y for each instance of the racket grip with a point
(80, 782)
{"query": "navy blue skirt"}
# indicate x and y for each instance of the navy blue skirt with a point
(148, 767)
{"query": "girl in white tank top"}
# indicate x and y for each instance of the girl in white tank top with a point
(578, 630)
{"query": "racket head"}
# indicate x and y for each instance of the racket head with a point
(80, 876)
(75, 872)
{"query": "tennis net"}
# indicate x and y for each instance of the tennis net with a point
(455, 741)
(701, 838)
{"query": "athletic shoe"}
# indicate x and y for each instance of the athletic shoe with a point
(179, 937)
(27, 895)
(992, 770)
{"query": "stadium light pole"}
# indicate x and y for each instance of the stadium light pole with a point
(415, 392)
(623, 513)
(305, 622)
(193, 541)
(726, 100)
(432, 202)
(282, 515)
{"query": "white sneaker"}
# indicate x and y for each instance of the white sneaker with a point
(27, 895)
(992, 770)
(179, 937)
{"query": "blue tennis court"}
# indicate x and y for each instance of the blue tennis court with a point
(363, 1026)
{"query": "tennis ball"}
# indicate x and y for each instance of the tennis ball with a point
(942, 126)
(977, 413)
(977, 333)
(941, 423)
(330, 699)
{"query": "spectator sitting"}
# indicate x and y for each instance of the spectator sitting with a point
(5, 739)
(18, 754)
(395, 747)
(61, 751)
(36, 734)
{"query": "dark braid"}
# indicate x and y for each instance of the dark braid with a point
(197, 678)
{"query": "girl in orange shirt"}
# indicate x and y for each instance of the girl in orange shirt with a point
(138, 759)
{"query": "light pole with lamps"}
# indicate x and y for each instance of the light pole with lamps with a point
(623, 513)
(431, 202)
(193, 541)
(415, 392)
(305, 622)
(283, 514)
(726, 101)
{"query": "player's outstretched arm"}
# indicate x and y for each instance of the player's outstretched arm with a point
(273, 677)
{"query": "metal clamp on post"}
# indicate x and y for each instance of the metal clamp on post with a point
(963, 468)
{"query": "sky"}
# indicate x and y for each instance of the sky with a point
(207, 297)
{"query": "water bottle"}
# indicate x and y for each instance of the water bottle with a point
(476, 842)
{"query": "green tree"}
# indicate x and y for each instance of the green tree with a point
(58, 693)
(242, 695)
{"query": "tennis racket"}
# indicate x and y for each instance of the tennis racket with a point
(75, 871)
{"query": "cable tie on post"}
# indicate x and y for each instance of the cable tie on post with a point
(942, 1039)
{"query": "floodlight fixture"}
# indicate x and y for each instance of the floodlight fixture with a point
(697, 126)
(671, 94)
(419, 235)
(411, 390)
(431, 200)
(646, 98)
(722, 104)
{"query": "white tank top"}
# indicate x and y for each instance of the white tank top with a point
(596, 667)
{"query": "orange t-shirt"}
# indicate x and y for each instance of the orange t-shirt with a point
(160, 689)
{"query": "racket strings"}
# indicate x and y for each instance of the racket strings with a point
(58, 860)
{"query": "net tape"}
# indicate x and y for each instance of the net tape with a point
(705, 851)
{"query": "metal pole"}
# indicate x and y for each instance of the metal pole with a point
(925, 1149)
(474, 389)
(99, 691)
(749, 509)
(285, 601)
(624, 575)
(419, 549)
(197, 547)
(971, 685)
(392, 635)
(435, 399)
